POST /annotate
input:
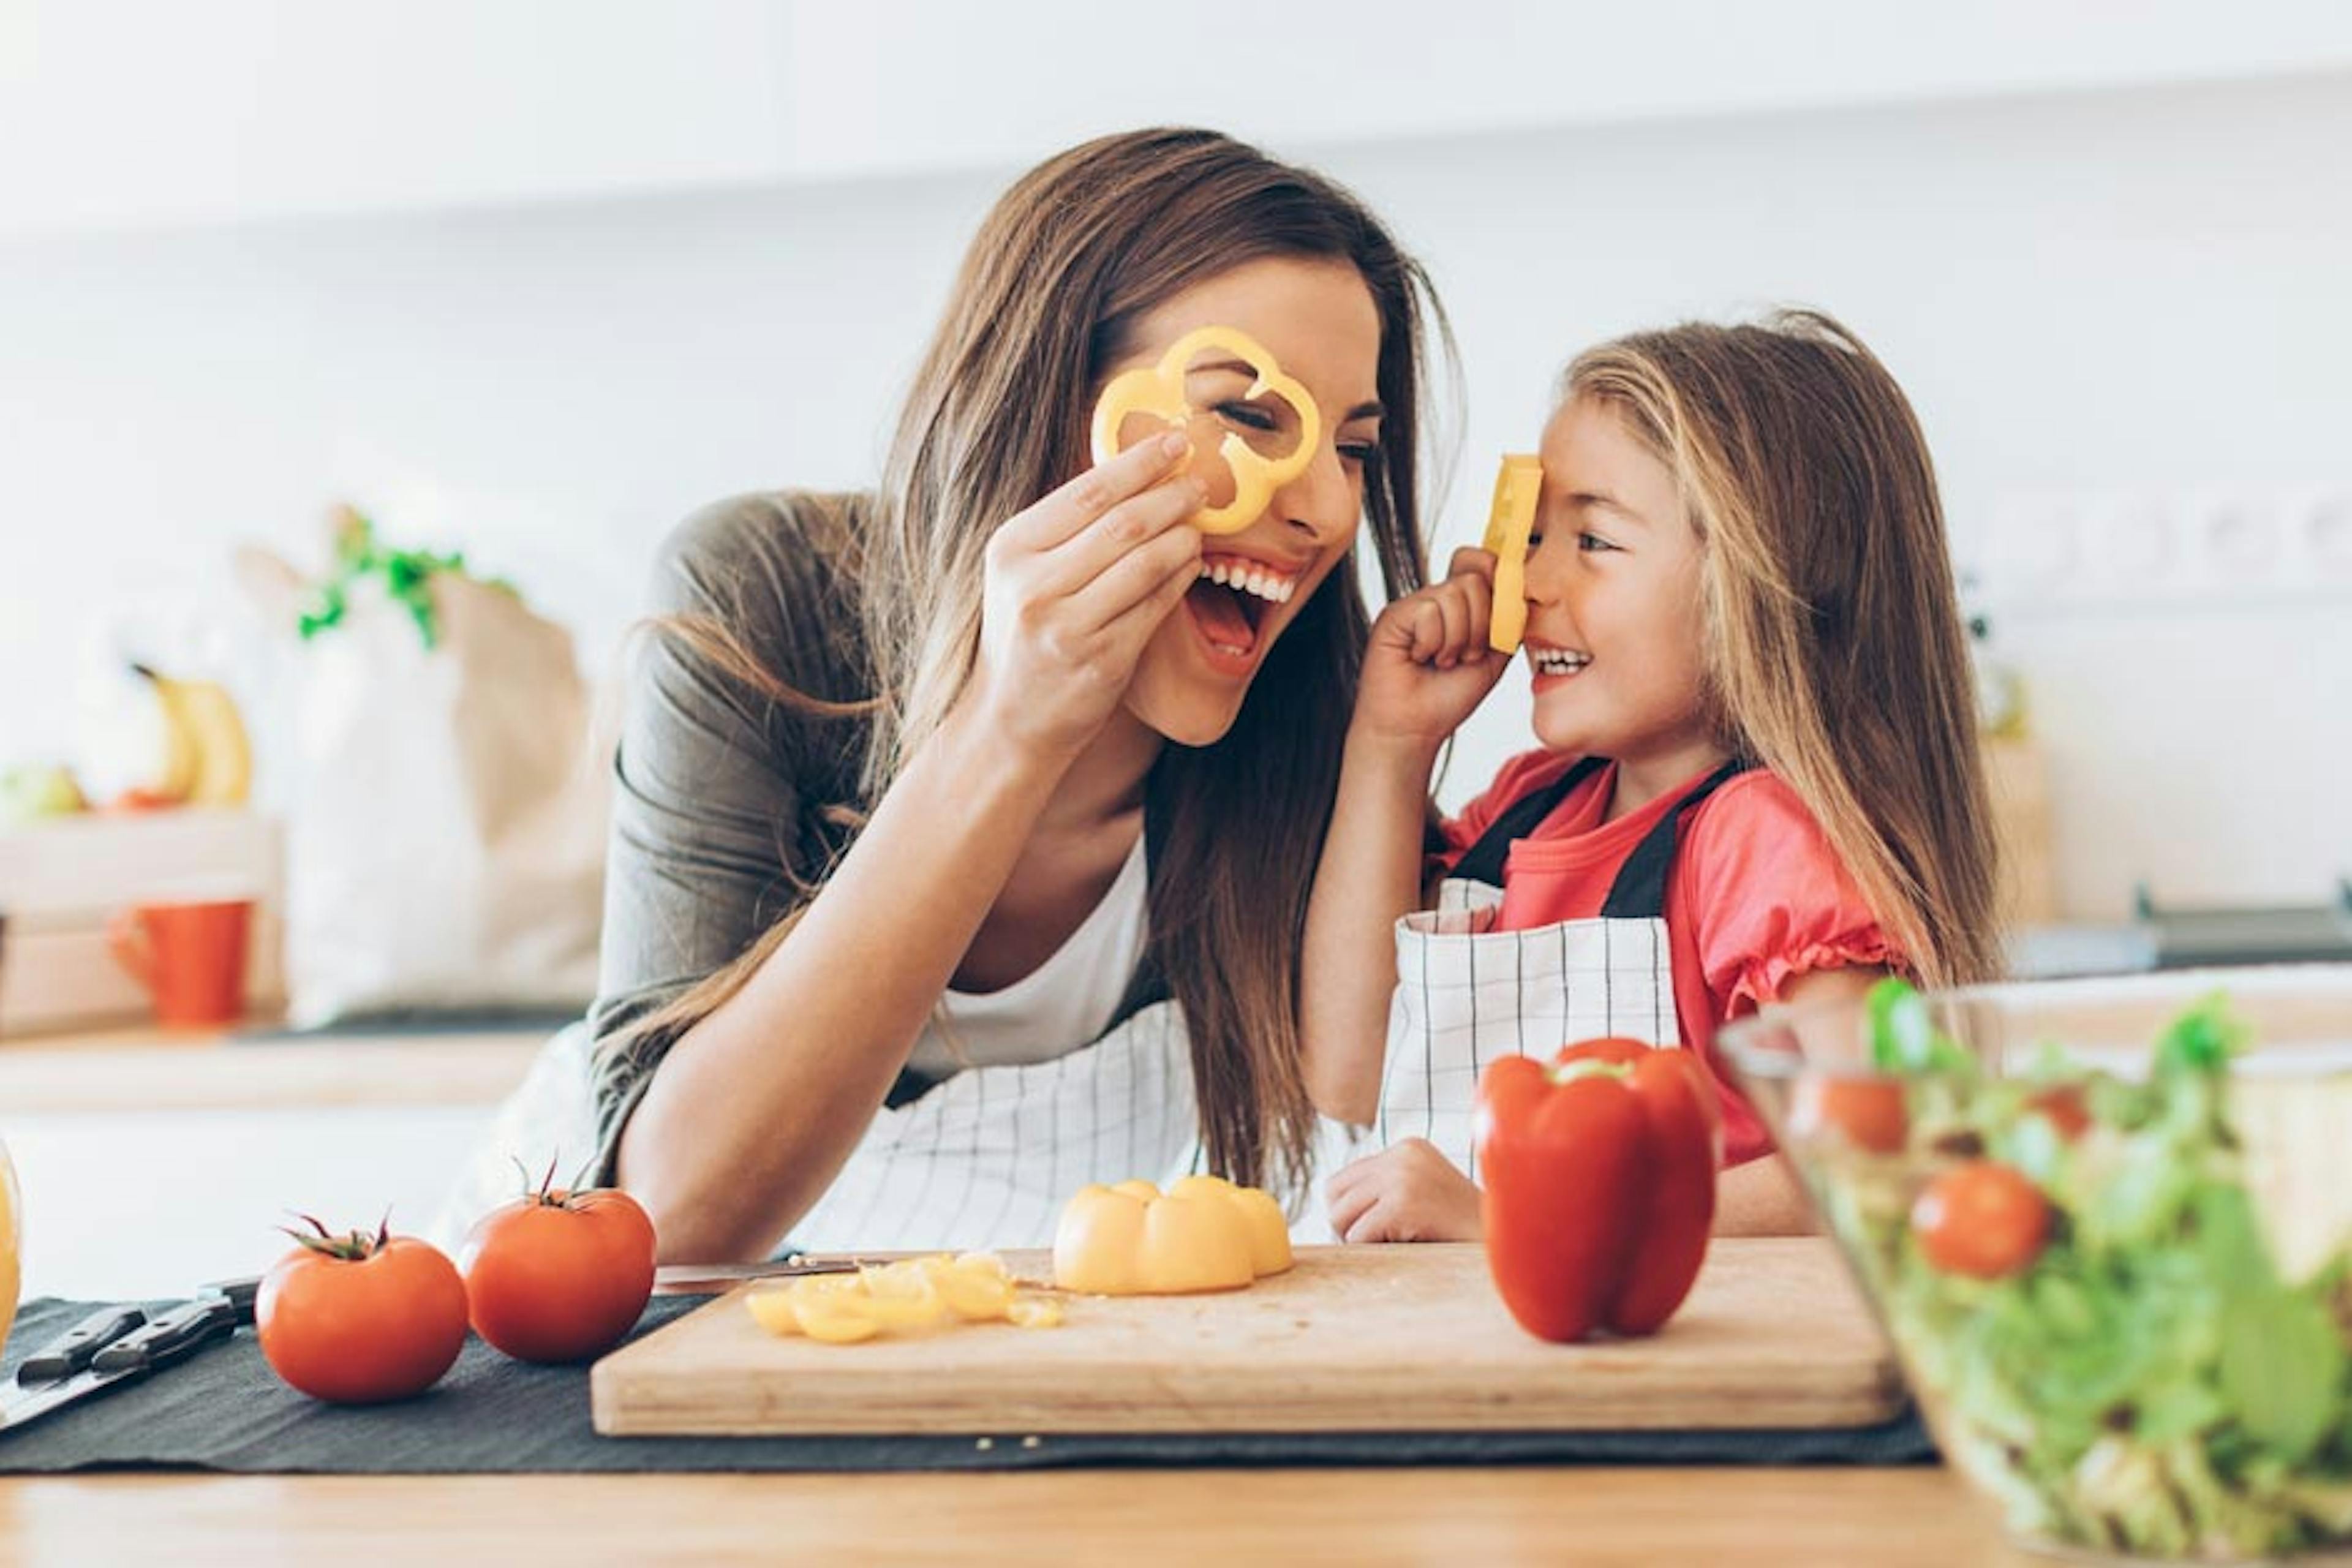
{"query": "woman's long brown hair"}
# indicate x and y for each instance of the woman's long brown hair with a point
(1836, 649)
(1050, 293)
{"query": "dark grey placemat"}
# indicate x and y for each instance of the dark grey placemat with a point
(224, 1409)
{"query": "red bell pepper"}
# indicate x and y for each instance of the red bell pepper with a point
(1599, 1184)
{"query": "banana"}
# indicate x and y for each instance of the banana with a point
(181, 759)
(225, 775)
(207, 761)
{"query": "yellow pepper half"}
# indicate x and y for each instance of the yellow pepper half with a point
(1509, 523)
(1202, 1234)
(1158, 390)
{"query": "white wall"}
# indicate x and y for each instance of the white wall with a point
(2124, 304)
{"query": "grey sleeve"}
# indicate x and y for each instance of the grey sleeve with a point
(703, 846)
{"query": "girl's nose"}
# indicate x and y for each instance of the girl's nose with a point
(1545, 575)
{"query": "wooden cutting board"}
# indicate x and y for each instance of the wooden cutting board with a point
(1357, 1338)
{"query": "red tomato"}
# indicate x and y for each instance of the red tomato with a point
(359, 1319)
(1982, 1218)
(557, 1277)
(2064, 1107)
(1867, 1112)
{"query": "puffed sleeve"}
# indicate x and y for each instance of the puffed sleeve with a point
(1766, 898)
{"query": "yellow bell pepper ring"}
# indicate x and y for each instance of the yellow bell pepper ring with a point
(1509, 523)
(1158, 390)
(1202, 1234)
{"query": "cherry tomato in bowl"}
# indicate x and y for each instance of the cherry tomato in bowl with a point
(1867, 1111)
(1981, 1218)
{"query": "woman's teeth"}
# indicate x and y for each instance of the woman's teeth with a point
(1556, 661)
(1246, 579)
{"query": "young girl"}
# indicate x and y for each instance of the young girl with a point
(963, 827)
(1759, 780)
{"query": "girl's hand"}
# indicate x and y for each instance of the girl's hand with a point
(1428, 666)
(1407, 1192)
(1075, 585)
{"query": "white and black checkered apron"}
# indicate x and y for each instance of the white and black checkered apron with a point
(988, 1157)
(1467, 993)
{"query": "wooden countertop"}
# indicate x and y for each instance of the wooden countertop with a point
(1593, 1515)
(164, 1069)
(1597, 1514)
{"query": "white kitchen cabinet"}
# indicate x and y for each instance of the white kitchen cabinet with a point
(114, 113)
(119, 114)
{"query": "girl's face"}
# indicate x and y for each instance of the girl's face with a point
(1615, 630)
(1318, 320)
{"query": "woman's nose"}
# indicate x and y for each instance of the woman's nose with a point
(1320, 502)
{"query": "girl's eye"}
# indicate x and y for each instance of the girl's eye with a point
(1593, 543)
(1535, 540)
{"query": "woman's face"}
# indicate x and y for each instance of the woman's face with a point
(1318, 319)
(1616, 631)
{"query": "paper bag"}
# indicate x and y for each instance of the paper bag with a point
(444, 818)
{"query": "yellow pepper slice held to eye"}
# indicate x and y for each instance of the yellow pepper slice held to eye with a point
(1158, 390)
(1509, 523)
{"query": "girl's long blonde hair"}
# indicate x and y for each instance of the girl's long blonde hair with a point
(1835, 647)
(1062, 270)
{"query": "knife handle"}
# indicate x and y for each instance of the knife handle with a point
(170, 1337)
(241, 1294)
(71, 1351)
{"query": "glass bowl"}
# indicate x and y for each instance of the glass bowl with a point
(2108, 1225)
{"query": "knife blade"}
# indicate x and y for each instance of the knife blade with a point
(709, 1278)
(148, 1348)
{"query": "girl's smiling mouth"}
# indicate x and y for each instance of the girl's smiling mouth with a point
(1545, 659)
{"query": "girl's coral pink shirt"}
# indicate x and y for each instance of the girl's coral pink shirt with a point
(1756, 898)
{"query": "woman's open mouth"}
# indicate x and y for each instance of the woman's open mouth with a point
(1229, 606)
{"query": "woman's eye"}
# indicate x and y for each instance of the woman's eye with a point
(1246, 417)
(1359, 451)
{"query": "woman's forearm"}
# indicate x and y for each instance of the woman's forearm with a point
(754, 1110)
(1369, 876)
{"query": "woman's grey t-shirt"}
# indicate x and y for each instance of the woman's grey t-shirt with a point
(721, 793)
(729, 807)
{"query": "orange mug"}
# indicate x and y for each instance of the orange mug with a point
(189, 956)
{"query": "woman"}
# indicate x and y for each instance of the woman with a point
(964, 836)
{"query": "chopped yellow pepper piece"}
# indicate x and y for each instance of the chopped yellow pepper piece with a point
(774, 1310)
(1159, 390)
(914, 1293)
(837, 1319)
(1509, 523)
(1034, 1313)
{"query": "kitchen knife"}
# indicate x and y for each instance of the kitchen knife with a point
(709, 1278)
(149, 1347)
(70, 1352)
